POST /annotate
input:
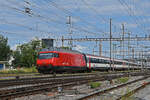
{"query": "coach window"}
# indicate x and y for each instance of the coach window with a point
(99, 60)
(92, 60)
(121, 63)
(105, 61)
(56, 55)
(96, 60)
(102, 61)
(115, 62)
(88, 59)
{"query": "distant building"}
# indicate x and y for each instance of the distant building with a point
(47, 43)
(10, 62)
(3, 65)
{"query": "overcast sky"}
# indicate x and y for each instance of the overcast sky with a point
(48, 18)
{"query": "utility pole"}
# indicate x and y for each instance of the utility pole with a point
(133, 54)
(142, 60)
(113, 51)
(93, 51)
(70, 31)
(110, 41)
(62, 41)
(123, 40)
(128, 49)
(100, 48)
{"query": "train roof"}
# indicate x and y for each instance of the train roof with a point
(107, 58)
(60, 50)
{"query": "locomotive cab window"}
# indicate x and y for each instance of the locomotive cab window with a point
(47, 55)
(55, 55)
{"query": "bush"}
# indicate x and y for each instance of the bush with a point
(19, 71)
(123, 79)
(30, 70)
(95, 84)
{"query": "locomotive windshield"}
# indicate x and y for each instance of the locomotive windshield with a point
(47, 55)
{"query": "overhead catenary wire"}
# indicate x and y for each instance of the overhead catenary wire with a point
(24, 0)
(131, 13)
(21, 25)
(92, 8)
(74, 26)
(24, 26)
(143, 18)
(47, 19)
(97, 12)
(70, 13)
(12, 33)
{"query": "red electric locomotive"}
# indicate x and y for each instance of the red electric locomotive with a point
(59, 60)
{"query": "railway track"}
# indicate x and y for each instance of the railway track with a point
(14, 76)
(54, 83)
(35, 80)
(17, 92)
(44, 79)
(127, 95)
(100, 92)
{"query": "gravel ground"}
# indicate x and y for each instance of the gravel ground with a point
(78, 91)
(113, 95)
(143, 94)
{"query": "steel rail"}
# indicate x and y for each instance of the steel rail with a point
(13, 93)
(123, 97)
(13, 82)
(29, 90)
(110, 89)
(17, 92)
(29, 81)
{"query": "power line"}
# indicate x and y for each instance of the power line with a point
(69, 13)
(75, 26)
(130, 12)
(12, 33)
(142, 17)
(31, 14)
(92, 8)
(137, 18)
(108, 39)
(24, 26)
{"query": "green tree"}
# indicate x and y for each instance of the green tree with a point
(17, 58)
(5, 51)
(26, 54)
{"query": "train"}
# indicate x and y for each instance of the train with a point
(58, 60)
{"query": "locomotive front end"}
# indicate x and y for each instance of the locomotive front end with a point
(46, 61)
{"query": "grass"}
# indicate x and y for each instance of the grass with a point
(127, 97)
(95, 84)
(123, 79)
(19, 71)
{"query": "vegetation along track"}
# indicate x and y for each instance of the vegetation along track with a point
(127, 95)
(57, 82)
(91, 95)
